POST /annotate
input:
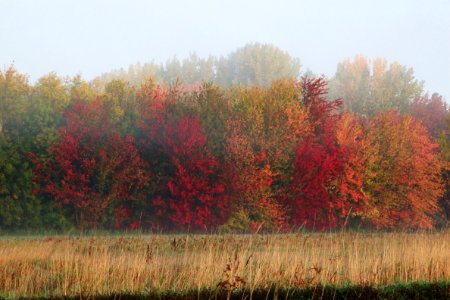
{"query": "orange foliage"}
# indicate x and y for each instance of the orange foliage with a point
(350, 133)
(403, 176)
(249, 179)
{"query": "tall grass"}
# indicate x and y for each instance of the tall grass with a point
(68, 266)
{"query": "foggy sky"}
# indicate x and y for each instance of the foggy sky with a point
(91, 37)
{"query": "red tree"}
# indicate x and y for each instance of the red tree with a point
(92, 168)
(190, 194)
(318, 162)
(197, 199)
(432, 112)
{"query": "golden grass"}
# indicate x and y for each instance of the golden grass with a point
(106, 265)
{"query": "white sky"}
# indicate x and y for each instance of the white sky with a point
(91, 37)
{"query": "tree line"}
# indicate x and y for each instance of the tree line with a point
(246, 158)
(253, 64)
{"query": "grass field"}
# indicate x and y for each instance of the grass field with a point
(225, 264)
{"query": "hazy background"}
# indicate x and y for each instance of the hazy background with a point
(92, 37)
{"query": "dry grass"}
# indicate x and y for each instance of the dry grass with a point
(106, 265)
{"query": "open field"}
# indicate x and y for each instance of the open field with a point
(161, 264)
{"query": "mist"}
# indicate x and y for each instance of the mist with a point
(94, 37)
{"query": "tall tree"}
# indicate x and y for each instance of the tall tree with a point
(444, 145)
(404, 173)
(318, 162)
(14, 99)
(197, 198)
(30, 116)
(188, 192)
(16, 201)
(258, 169)
(256, 64)
(368, 90)
(249, 177)
(352, 83)
(350, 137)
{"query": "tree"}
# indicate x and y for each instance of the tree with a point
(171, 70)
(350, 137)
(29, 118)
(197, 198)
(212, 106)
(51, 89)
(318, 162)
(258, 170)
(256, 64)
(92, 169)
(16, 201)
(393, 88)
(188, 191)
(444, 147)
(432, 112)
(403, 180)
(80, 90)
(249, 178)
(352, 84)
(370, 90)
(14, 89)
(18, 207)
(195, 69)
(253, 64)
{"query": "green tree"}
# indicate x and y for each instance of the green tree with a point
(352, 83)
(253, 64)
(256, 64)
(368, 90)
(51, 89)
(30, 117)
(80, 90)
(14, 90)
(171, 72)
(117, 97)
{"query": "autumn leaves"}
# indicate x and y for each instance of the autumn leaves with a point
(240, 160)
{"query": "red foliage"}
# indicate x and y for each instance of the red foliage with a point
(321, 113)
(91, 167)
(190, 193)
(432, 112)
(197, 199)
(278, 155)
(318, 162)
(317, 165)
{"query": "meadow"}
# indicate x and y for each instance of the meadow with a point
(220, 266)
